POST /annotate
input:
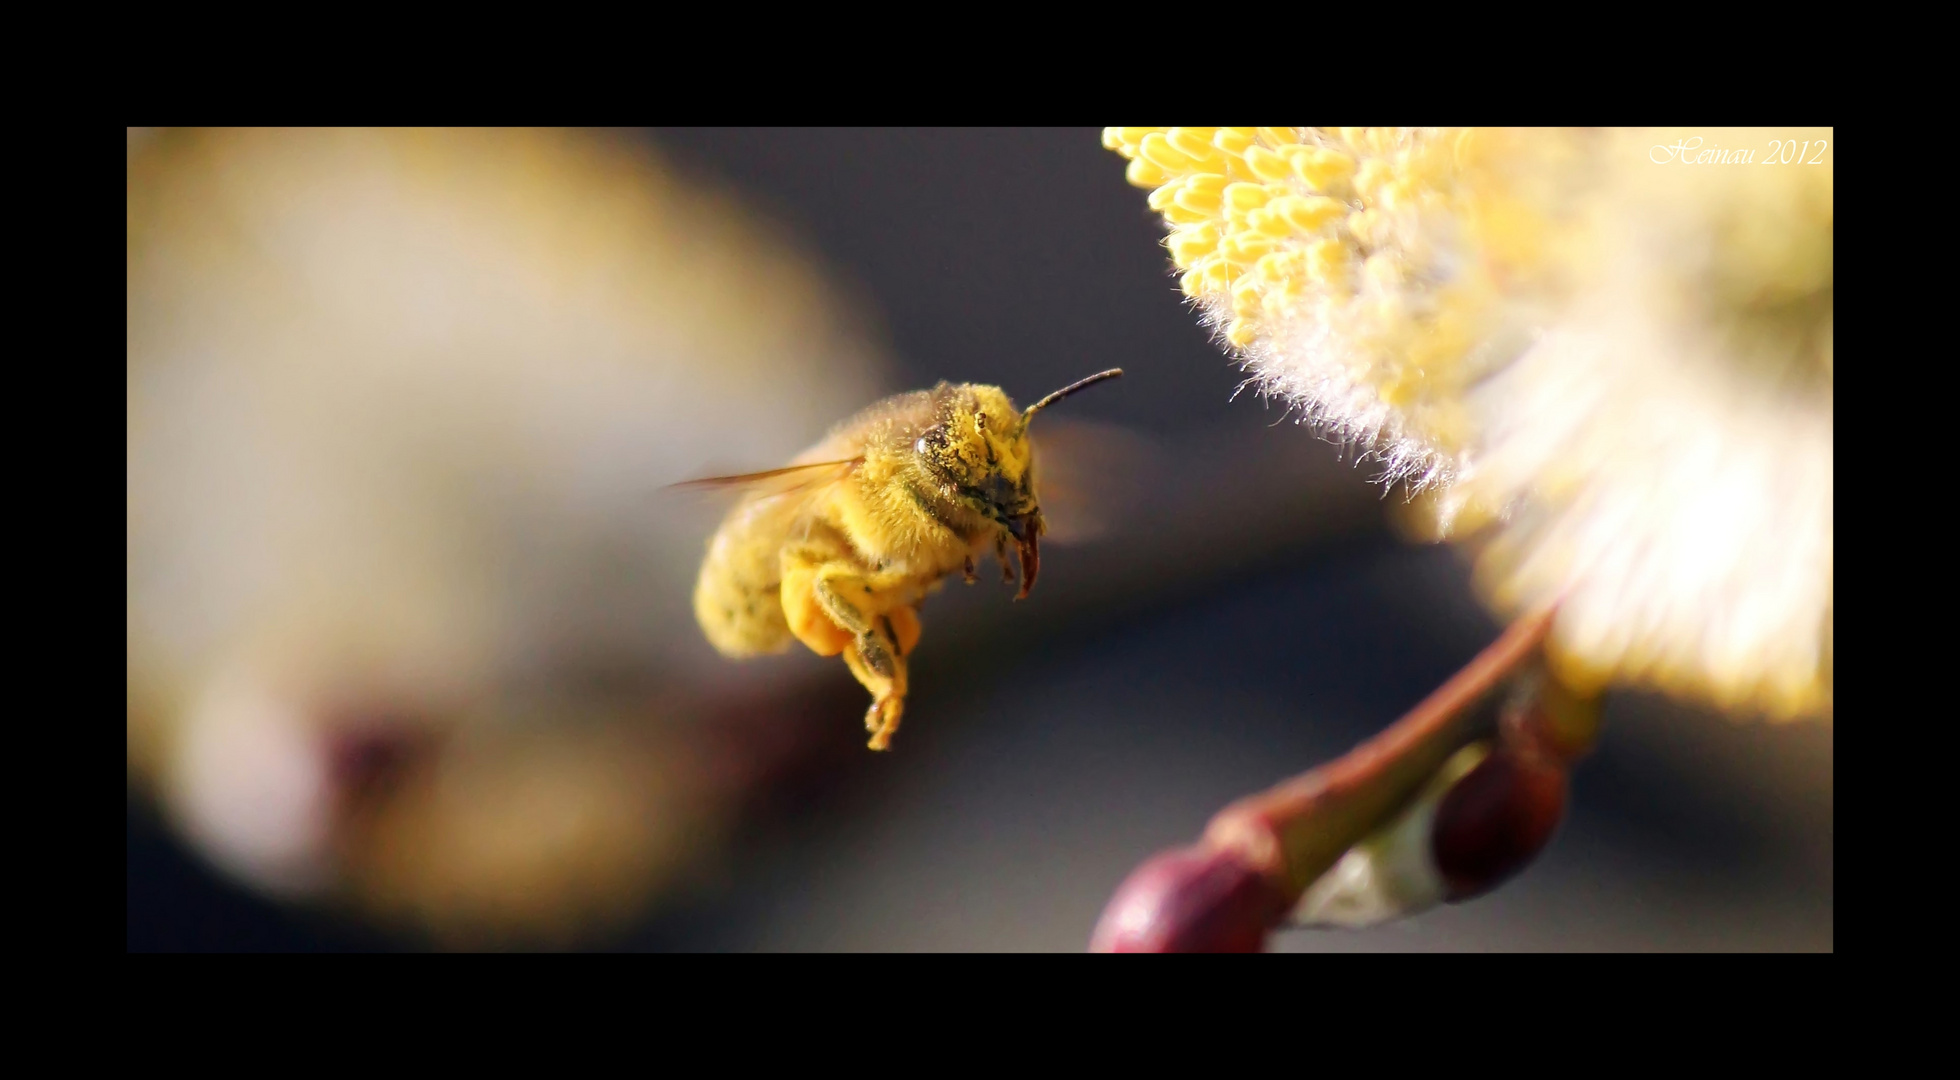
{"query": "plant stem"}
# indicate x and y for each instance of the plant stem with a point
(1295, 831)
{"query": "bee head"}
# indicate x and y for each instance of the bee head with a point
(977, 452)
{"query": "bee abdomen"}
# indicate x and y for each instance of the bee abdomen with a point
(738, 601)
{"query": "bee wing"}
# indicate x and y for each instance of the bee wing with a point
(773, 481)
(1092, 477)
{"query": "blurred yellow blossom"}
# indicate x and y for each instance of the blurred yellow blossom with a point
(1603, 356)
(406, 615)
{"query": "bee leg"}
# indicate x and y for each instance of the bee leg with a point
(838, 592)
(880, 657)
(876, 654)
(877, 663)
(971, 577)
(1000, 552)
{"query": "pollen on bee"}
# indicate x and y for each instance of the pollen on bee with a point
(856, 561)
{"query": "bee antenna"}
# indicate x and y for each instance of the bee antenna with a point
(1079, 384)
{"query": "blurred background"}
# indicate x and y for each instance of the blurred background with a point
(411, 659)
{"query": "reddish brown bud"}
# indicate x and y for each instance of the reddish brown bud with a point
(1547, 718)
(1495, 820)
(1195, 900)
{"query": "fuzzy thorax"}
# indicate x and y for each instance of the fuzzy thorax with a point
(942, 476)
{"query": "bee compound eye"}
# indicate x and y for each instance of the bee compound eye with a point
(922, 446)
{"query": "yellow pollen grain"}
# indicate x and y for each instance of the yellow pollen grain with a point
(1207, 183)
(1361, 225)
(1308, 214)
(1156, 148)
(1327, 262)
(1247, 246)
(1396, 194)
(1374, 173)
(1189, 245)
(1245, 295)
(1449, 336)
(1198, 198)
(1194, 143)
(1219, 275)
(1245, 197)
(1178, 214)
(1267, 165)
(1234, 140)
(1320, 168)
(1145, 173)
(1240, 333)
(1400, 389)
(1272, 224)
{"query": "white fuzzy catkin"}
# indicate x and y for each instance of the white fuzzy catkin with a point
(1605, 358)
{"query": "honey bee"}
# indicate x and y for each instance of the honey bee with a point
(839, 548)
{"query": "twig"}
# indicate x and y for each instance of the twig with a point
(1261, 853)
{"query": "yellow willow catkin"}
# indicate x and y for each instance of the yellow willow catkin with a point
(1608, 356)
(1318, 242)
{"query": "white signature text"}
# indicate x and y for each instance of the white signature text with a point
(1777, 152)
